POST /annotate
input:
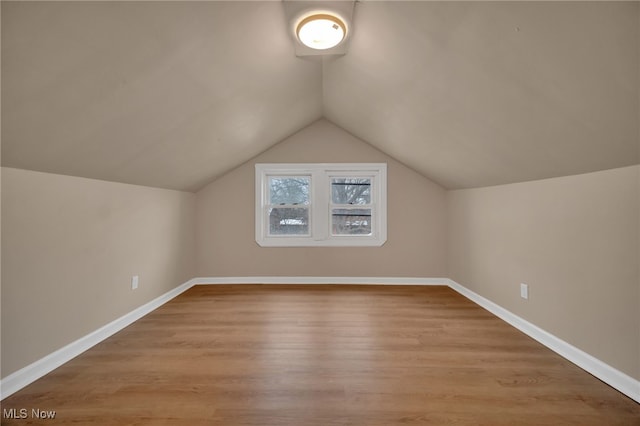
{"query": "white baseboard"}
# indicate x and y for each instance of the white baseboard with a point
(32, 372)
(613, 377)
(323, 280)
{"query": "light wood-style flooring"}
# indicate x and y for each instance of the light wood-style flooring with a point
(322, 355)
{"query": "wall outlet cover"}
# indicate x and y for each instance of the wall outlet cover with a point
(524, 291)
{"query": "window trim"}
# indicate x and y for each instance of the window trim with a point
(320, 204)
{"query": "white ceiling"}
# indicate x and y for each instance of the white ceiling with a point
(174, 94)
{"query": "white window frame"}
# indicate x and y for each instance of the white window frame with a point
(320, 204)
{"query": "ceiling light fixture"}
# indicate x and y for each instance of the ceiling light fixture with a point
(321, 31)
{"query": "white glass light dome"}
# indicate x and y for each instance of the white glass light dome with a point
(321, 31)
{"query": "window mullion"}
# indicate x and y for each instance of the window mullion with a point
(320, 198)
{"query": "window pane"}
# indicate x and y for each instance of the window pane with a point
(289, 221)
(351, 221)
(289, 190)
(351, 190)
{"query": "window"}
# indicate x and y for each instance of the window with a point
(288, 205)
(321, 204)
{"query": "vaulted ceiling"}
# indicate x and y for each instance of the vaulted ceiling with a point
(174, 94)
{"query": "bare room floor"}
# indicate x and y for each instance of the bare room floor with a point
(321, 355)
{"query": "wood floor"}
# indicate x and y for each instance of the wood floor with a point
(321, 355)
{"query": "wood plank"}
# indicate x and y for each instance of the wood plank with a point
(322, 355)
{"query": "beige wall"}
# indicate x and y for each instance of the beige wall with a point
(69, 249)
(416, 218)
(573, 240)
(70, 246)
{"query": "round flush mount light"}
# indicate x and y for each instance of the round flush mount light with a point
(321, 30)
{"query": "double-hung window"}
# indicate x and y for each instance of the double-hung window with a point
(288, 204)
(321, 204)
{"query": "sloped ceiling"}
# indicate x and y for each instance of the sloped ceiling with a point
(484, 93)
(165, 94)
(174, 94)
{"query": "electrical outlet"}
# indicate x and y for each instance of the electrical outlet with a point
(134, 282)
(524, 291)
